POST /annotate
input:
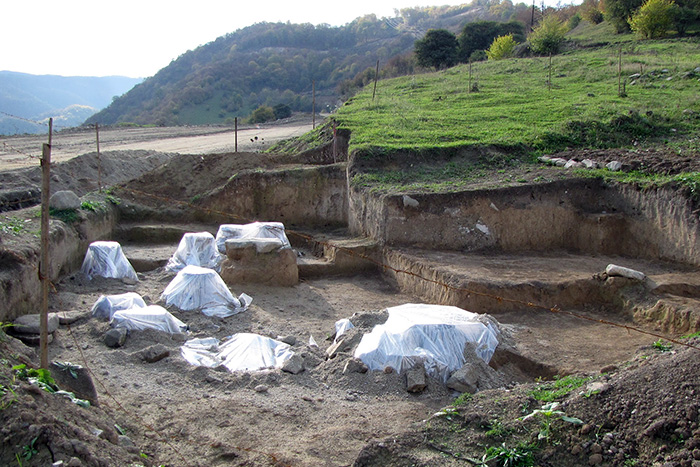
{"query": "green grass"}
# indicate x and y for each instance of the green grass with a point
(514, 106)
(560, 387)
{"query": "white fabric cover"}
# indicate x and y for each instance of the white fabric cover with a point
(106, 259)
(148, 317)
(196, 249)
(197, 288)
(252, 231)
(107, 305)
(435, 333)
(241, 352)
(341, 327)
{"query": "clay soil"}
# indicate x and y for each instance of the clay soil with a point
(642, 411)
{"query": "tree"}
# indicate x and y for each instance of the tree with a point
(502, 47)
(281, 111)
(590, 11)
(653, 19)
(262, 114)
(618, 11)
(437, 49)
(479, 35)
(548, 36)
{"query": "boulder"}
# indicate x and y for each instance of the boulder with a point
(115, 337)
(154, 353)
(294, 365)
(415, 378)
(63, 200)
(30, 324)
(75, 379)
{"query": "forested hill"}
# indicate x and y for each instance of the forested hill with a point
(276, 63)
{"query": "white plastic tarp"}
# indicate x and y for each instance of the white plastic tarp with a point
(241, 352)
(341, 327)
(197, 288)
(196, 249)
(436, 334)
(252, 231)
(106, 259)
(107, 305)
(148, 317)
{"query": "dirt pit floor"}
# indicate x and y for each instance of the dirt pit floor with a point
(178, 414)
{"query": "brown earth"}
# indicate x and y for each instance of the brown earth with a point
(642, 411)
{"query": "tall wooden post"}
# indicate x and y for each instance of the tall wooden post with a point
(376, 77)
(99, 166)
(44, 269)
(313, 104)
(619, 73)
(470, 77)
(549, 81)
(235, 134)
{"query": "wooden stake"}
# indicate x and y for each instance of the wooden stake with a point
(469, 90)
(549, 83)
(235, 134)
(619, 73)
(376, 77)
(99, 166)
(313, 104)
(44, 269)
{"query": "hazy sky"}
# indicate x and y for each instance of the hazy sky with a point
(138, 38)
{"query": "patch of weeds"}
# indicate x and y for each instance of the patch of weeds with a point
(497, 429)
(113, 199)
(463, 399)
(661, 346)
(90, 206)
(560, 387)
(504, 456)
(42, 378)
(692, 182)
(13, 225)
(547, 415)
(68, 216)
(30, 450)
(690, 336)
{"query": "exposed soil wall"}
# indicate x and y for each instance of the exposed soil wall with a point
(20, 286)
(576, 215)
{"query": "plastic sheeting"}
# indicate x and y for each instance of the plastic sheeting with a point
(107, 305)
(106, 259)
(241, 352)
(149, 317)
(436, 334)
(195, 249)
(341, 327)
(197, 288)
(255, 230)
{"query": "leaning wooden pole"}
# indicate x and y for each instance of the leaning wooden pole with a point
(376, 77)
(235, 134)
(44, 269)
(99, 167)
(313, 104)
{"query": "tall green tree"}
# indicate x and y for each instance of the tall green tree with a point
(437, 49)
(548, 36)
(479, 35)
(618, 11)
(653, 19)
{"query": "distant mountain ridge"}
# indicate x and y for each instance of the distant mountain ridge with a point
(279, 63)
(27, 100)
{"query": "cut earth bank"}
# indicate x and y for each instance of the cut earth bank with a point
(520, 253)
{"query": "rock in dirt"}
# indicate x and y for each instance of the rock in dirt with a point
(415, 378)
(115, 337)
(345, 343)
(70, 317)
(475, 375)
(154, 353)
(30, 324)
(294, 365)
(354, 365)
(64, 200)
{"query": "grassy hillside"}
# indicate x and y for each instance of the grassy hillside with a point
(516, 106)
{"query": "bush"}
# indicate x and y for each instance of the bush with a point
(437, 49)
(548, 36)
(653, 19)
(573, 21)
(501, 47)
(282, 111)
(590, 11)
(262, 114)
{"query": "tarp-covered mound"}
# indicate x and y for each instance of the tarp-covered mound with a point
(195, 249)
(241, 352)
(253, 231)
(435, 334)
(197, 288)
(107, 305)
(148, 317)
(106, 259)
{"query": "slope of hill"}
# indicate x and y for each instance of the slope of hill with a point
(276, 63)
(68, 99)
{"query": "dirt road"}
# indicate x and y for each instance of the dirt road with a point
(23, 151)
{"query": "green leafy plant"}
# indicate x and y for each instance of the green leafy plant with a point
(504, 456)
(653, 19)
(113, 199)
(66, 215)
(661, 346)
(501, 47)
(548, 36)
(463, 399)
(13, 225)
(30, 450)
(547, 415)
(90, 206)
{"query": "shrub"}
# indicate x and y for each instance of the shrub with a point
(573, 21)
(653, 19)
(590, 11)
(501, 47)
(282, 111)
(437, 49)
(262, 114)
(548, 36)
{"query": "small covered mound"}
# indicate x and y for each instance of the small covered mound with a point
(148, 317)
(252, 231)
(197, 288)
(107, 305)
(241, 352)
(106, 259)
(435, 334)
(195, 249)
